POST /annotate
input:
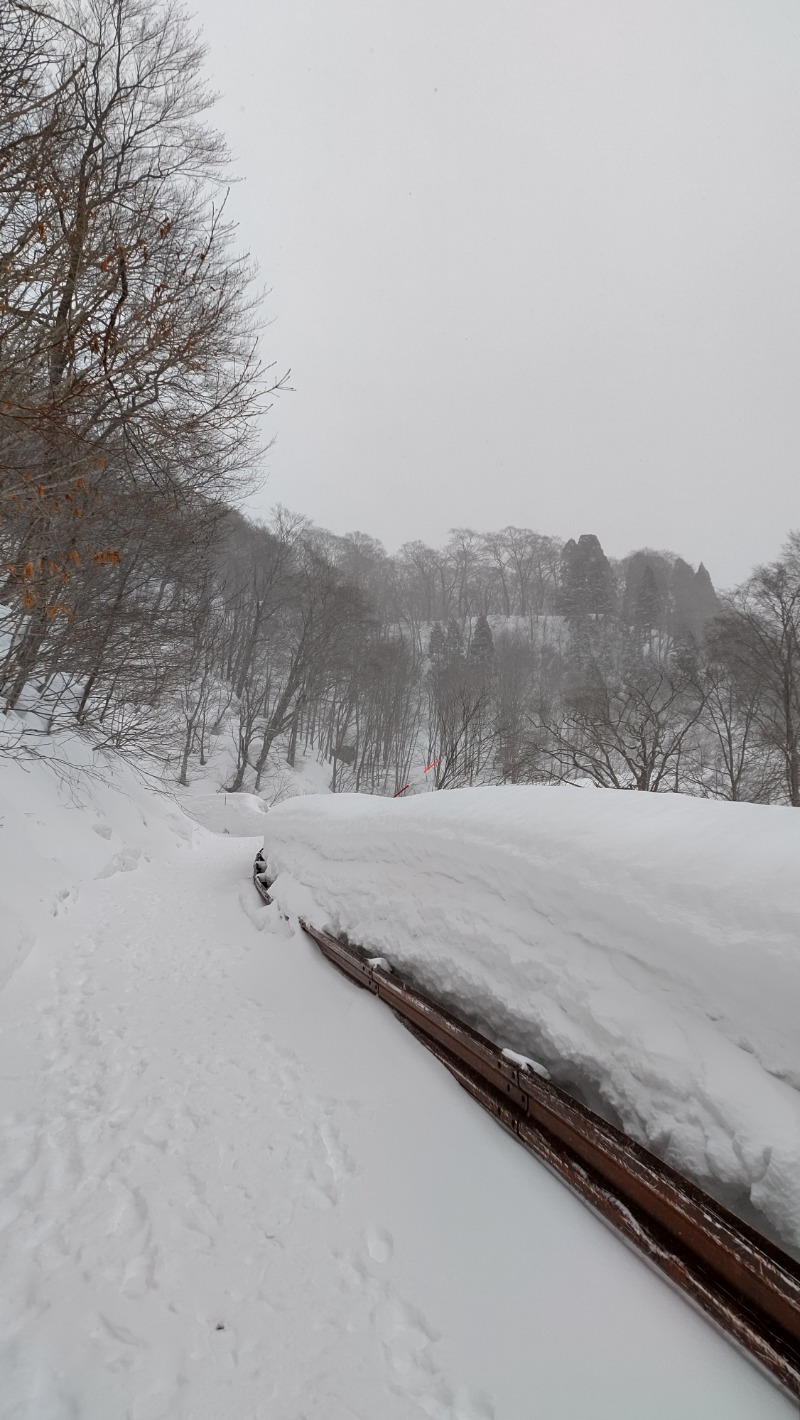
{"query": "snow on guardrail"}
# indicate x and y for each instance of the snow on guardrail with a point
(644, 948)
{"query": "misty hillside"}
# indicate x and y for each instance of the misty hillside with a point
(503, 657)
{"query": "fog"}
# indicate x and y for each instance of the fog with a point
(529, 263)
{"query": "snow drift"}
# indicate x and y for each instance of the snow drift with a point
(645, 948)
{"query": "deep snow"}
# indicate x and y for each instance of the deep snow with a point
(233, 1186)
(644, 947)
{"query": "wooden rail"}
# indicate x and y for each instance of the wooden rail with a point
(744, 1282)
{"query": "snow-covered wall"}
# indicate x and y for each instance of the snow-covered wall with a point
(644, 946)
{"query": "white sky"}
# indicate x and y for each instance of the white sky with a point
(530, 261)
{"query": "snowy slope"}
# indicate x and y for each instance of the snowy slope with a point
(645, 947)
(233, 1186)
(66, 815)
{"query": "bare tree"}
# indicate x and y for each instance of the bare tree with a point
(130, 361)
(732, 761)
(203, 648)
(763, 649)
(632, 732)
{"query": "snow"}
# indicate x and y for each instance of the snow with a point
(67, 815)
(645, 948)
(309, 775)
(525, 1063)
(233, 1185)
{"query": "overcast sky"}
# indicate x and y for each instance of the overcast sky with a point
(530, 261)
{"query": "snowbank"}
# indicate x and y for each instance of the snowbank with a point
(68, 814)
(645, 948)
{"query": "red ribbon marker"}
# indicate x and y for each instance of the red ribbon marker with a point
(432, 765)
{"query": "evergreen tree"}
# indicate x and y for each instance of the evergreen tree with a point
(706, 599)
(694, 603)
(683, 622)
(649, 604)
(587, 582)
(601, 596)
(453, 648)
(570, 599)
(644, 607)
(481, 650)
(436, 645)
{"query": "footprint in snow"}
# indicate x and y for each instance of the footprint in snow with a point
(64, 899)
(380, 1243)
(123, 862)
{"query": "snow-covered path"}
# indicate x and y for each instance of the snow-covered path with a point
(232, 1187)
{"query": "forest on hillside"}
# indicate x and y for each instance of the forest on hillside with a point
(140, 607)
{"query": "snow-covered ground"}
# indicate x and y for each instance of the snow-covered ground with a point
(233, 1188)
(66, 816)
(644, 947)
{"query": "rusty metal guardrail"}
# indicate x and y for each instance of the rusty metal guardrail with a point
(746, 1284)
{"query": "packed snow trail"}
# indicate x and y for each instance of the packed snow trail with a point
(232, 1186)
